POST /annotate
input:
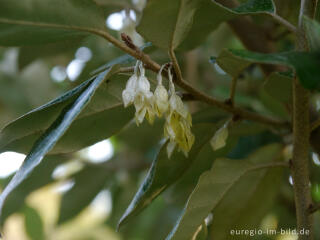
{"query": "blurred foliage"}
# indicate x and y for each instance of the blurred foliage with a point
(54, 50)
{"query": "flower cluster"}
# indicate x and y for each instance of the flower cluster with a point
(178, 120)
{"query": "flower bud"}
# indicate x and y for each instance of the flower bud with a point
(161, 100)
(220, 137)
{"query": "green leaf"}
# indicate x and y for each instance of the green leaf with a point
(48, 140)
(181, 190)
(33, 224)
(164, 171)
(43, 21)
(312, 32)
(28, 54)
(40, 177)
(231, 65)
(104, 116)
(185, 24)
(305, 64)
(279, 86)
(227, 189)
(88, 183)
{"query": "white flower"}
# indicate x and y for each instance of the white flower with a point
(143, 100)
(138, 92)
(129, 93)
(161, 103)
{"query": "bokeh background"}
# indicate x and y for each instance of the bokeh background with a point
(81, 196)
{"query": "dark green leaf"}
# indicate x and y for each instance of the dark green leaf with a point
(181, 190)
(230, 64)
(103, 117)
(44, 21)
(33, 224)
(40, 177)
(229, 184)
(88, 183)
(279, 86)
(28, 54)
(48, 140)
(273, 106)
(187, 23)
(305, 64)
(164, 171)
(313, 33)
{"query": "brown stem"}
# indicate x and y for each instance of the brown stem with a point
(212, 101)
(314, 207)
(301, 133)
(233, 89)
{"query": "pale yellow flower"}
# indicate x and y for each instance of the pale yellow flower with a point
(220, 137)
(178, 124)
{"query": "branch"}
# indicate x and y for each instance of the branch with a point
(315, 125)
(270, 165)
(314, 207)
(222, 105)
(233, 90)
(301, 134)
(284, 22)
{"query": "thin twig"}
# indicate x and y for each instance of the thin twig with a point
(152, 65)
(315, 125)
(214, 102)
(270, 165)
(314, 208)
(233, 90)
(284, 22)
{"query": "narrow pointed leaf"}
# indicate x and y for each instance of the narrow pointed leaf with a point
(40, 177)
(164, 171)
(185, 24)
(104, 116)
(43, 21)
(305, 64)
(229, 181)
(47, 141)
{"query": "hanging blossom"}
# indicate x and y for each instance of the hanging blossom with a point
(178, 123)
(161, 102)
(137, 92)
